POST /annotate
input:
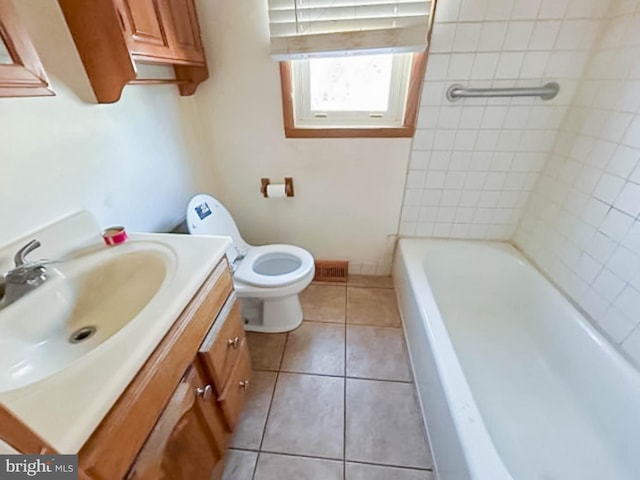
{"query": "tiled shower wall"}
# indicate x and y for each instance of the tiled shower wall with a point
(581, 226)
(474, 162)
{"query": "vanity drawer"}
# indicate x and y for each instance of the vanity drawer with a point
(223, 344)
(235, 391)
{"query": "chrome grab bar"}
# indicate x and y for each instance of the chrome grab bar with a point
(546, 92)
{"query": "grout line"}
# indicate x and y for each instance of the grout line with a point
(298, 455)
(323, 322)
(273, 395)
(373, 325)
(284, 349)
(344, 398)
(316, 457)
(255, 466)
(266, 422)
(376, 287)
(409, 382)
(402, 467)
(352, 377)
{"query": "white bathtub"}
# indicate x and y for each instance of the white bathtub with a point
(514, 383)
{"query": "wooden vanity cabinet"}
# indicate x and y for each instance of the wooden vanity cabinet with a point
(175, 418)
(188, 440)
(111, 35)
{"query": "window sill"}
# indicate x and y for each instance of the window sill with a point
(386, 132)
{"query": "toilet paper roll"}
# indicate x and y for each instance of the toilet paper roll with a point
(276, 191)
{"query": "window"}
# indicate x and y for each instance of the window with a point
(347, 66)
(352, 96)
(355, 91)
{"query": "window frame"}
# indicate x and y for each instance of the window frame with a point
(407, 130)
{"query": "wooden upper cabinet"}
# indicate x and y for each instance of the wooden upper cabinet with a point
(21, 72)
(145, 28)
(186, 30)
(188, 441)
(112, 34)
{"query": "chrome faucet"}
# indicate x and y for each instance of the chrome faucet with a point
(24, 277)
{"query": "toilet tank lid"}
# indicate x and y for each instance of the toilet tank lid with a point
(207, 216)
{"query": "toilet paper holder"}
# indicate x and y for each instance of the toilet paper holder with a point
(288, 186)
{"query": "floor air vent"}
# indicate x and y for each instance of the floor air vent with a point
(331, 271)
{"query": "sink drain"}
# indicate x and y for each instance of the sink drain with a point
(82, 334)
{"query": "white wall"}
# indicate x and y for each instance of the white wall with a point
(582, 226)
(475, 161)
(348, 191)
(132, 163)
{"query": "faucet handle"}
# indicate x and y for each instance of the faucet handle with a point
(32, 274)
(19, 258)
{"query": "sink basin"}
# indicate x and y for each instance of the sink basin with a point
(86, 301)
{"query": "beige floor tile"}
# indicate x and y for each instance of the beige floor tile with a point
(250, 427)
(358, 471)
(377, 352)
(284, 467)
(324, 303)
(384, 425)
(240, 465)
(372, 306)
(266, 350)
(307, 416)
(315, 348)
(379, 281)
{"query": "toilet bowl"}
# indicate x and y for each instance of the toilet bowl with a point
(267, 278)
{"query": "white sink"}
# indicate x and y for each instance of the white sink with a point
(86, 301)
(132, 293)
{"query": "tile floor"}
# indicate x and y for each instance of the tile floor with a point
(334, 399)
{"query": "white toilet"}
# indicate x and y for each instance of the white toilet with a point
(267, 278)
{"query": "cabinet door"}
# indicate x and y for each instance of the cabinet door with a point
(189, 440)
(145, 27)
(223, 344)
(21, 73)
(233, 396)
(184, 31)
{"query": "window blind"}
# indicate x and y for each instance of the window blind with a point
(310, 28)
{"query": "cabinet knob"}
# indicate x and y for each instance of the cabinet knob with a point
(204, 392)
(244, 384)
(233, 343)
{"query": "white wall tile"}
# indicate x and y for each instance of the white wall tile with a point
(553, 8)
(448, 11)
(475, 162)
(525, 9)
(467, 36)
(589, 193)
(509, 65)
(492, 36)
(472, 11)
(518, 35)
(460, 65)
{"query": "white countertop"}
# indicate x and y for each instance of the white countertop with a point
(65, 408)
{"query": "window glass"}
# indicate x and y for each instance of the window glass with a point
(350, 83)
(359, 91)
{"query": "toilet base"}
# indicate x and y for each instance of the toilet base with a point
(271, 315)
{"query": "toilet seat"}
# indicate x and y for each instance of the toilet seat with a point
(271, 266)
